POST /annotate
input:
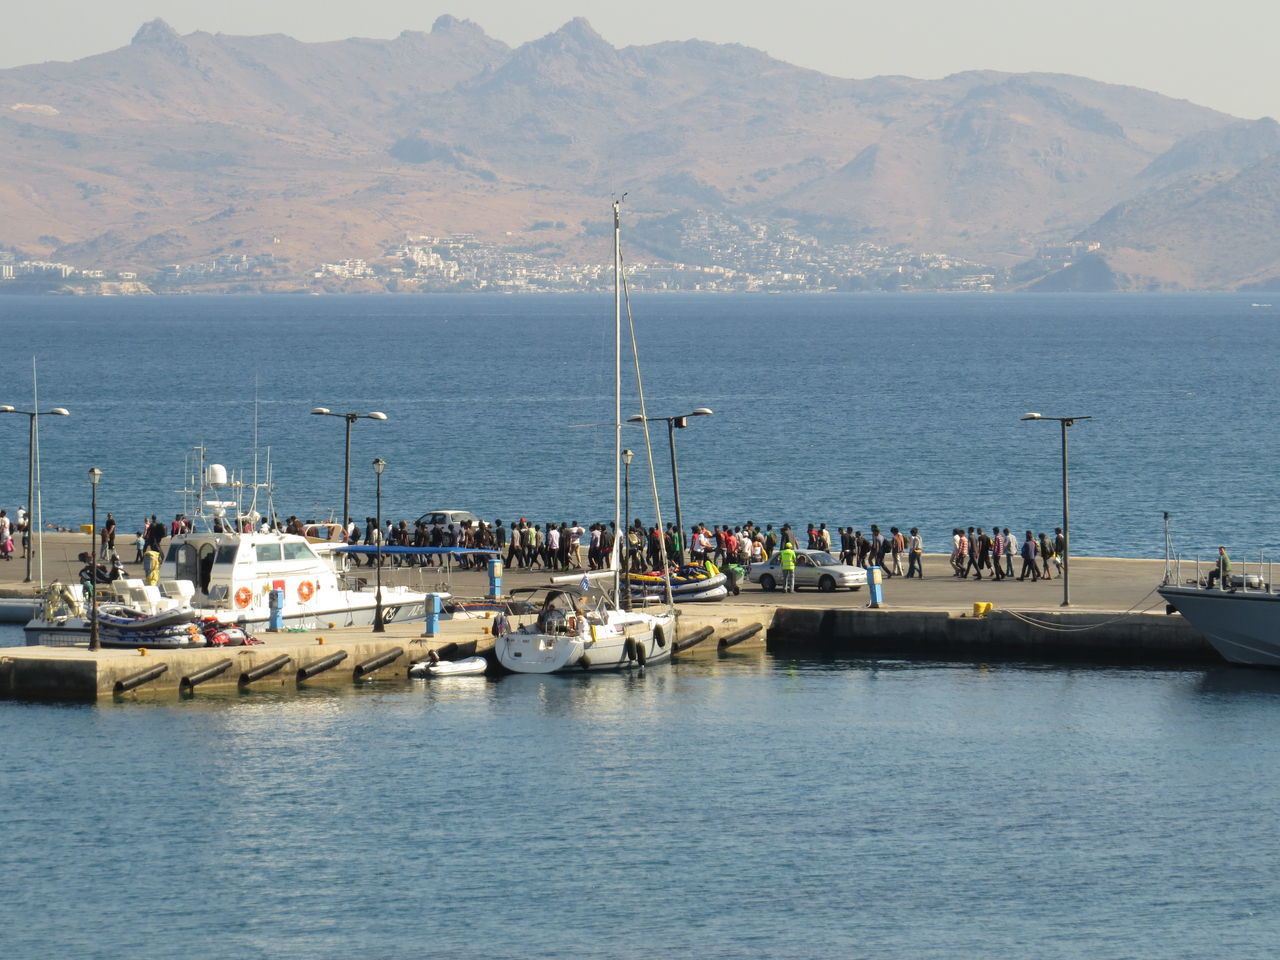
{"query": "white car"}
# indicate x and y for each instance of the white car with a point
(814, 568)
(446, 517)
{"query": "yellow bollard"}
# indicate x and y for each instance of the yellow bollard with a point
(320, 640)
(981, 608)
(142, 651)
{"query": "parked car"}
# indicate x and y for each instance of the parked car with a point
(814, 568)
(446, 517)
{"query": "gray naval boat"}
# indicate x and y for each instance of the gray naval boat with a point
(1241, 619)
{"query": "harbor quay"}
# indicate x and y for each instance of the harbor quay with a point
(1115, 618)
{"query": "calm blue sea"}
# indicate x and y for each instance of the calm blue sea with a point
(839, 409)
(729, 807)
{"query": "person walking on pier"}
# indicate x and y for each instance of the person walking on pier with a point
(1010, 551)
(997, 554)
(1059, 549)
(1046, 554)
(915, 555)
(1029, 551)
(787, 561)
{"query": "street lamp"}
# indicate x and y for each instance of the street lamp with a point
(94, 644)
(673, 424)
(627, 455)
(346, 461)
(1066, 502)
(31, 470)
(378, 466)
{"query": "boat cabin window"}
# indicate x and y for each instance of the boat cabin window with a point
(267, 552)
(298, 551)
(226, 553)
(186, 560)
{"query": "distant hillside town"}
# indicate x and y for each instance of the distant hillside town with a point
(700, 253)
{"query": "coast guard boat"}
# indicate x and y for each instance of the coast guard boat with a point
(229, 572)
(1241, 621)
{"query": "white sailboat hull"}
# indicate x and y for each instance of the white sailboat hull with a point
(626, 641)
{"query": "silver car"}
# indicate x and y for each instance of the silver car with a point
(814, 568)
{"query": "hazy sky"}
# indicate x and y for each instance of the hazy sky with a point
(1219, 54)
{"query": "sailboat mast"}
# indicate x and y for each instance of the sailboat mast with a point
(619, 531)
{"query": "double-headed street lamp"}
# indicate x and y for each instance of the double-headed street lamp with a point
(1066, 502)
(31, 469)
(94, 643)
(346, 462)
(673, 424)
(378, 466)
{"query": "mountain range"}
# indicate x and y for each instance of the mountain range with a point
(181, 148)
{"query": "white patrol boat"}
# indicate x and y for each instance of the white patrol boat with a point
(230, 572)
(231, 576)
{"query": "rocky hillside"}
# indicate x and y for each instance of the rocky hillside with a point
(180, 148)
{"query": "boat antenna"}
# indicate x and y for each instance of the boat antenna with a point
(255, 438)
(1168, 544)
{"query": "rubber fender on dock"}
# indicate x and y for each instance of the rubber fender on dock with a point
(135, 680)
(188, 683)
(266, 669)
(367, 667)
(693, 639)
(746, 633)
(308, 670)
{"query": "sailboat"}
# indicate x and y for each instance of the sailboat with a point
(580, 627)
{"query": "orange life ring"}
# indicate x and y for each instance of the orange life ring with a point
(305, 590)
(243, 596)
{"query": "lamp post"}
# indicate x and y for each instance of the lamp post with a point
(1066, 502)
(626, 530)
(31, 470)
(378, 466)
(673, 424)
(94, 644)
(346, 460)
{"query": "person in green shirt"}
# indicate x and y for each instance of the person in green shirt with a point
(787, 560)
(1222, 572)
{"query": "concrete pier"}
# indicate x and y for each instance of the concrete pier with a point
(1115, 617)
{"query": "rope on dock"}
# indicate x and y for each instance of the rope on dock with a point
(1082, 627)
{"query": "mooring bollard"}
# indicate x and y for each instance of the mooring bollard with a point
(875, 585)
(188, 683)
(495, 578)
(275, 611)
(434, 608)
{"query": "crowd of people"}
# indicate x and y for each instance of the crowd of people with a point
(976, 550)
(565, 546)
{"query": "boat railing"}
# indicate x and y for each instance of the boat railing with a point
(1243, 582)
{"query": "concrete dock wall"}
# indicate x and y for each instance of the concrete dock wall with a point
(1121, 638)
